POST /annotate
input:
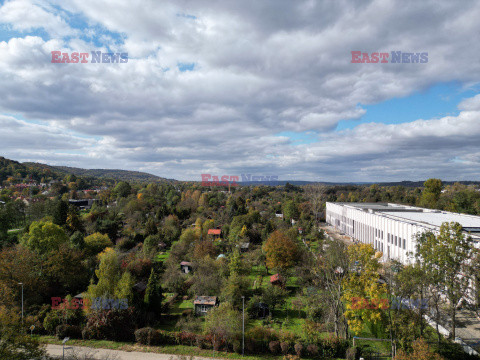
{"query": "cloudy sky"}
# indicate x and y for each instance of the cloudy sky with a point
(224, 87)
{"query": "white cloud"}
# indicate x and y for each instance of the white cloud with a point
(261, 68)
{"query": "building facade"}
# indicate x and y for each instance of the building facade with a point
(392, 228)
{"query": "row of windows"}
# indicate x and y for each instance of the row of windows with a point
(397, 241)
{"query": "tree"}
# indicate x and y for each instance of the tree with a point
(97, 242)
(44, 237)
(60, 213)
(365, 297)
(123, 189)
(431, 192)
(449, 254)
(274, 296)
(281, 251)
(421, 351)
(224, 323)
(124, 287)
(290, 210)
(15, 344)
(235, 287)
(153, 294)
(108, 274)
(330, 272)
(150, 245)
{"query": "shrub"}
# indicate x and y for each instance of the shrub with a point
(71, 331)
(351, 353)
(144, 335)
(51, 321)
(186, 338)
(274, 347)
(237, 346)
(312, 350)
(298, 349)
(115, 324)
(285, 346)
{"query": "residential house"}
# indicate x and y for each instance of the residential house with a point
(186, 267)
(203, 304)
(215, 233)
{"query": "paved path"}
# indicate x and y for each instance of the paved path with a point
(56, 350)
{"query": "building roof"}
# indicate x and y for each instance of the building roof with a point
(275, 278)
(185, 263)
(214, 231)
(205, 300)
(419, 216)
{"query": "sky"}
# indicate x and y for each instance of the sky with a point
(244, 87)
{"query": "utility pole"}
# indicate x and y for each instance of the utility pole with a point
(243, 326)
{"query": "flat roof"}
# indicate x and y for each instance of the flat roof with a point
(419, 215)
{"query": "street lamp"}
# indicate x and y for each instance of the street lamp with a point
(22, 300)
(243, 325)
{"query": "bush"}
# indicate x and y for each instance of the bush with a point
(312, 350)
(237, 346)
(71, 331)
(285, 346)
(115, 324)
(298, 349)
(351, 353)
(144, 335)
(274, 347)
(186, 338)
(51, 321)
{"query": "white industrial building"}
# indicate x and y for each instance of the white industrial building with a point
(392, 228)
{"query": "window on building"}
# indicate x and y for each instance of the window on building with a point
(404, 244)
(396, 238)
(203, 308)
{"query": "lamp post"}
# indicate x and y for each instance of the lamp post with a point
(22, 300)
(243, 325)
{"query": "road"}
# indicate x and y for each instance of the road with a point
(100, 354)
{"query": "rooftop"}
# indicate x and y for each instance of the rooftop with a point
(205, 300)
(422, 216)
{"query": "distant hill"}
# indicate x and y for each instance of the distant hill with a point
(107, 174)
(20, 172)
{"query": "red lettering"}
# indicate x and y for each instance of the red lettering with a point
(225, 180)
(55, 303)
(233, 180)
(206, 177)
(384, 57)
(84, 57)
(65, 58)
(374, 58)
(356, 56)
(56, 59)
(365, 58)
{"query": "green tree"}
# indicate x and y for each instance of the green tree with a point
(290, 210)
(123, 189)
(44, 237)
(224, 323)
(108, 275)
(431, 192)
(97, 242)
(124, 287)
(449, 253)
(365, 297)
(153, 294)
(60, 213)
